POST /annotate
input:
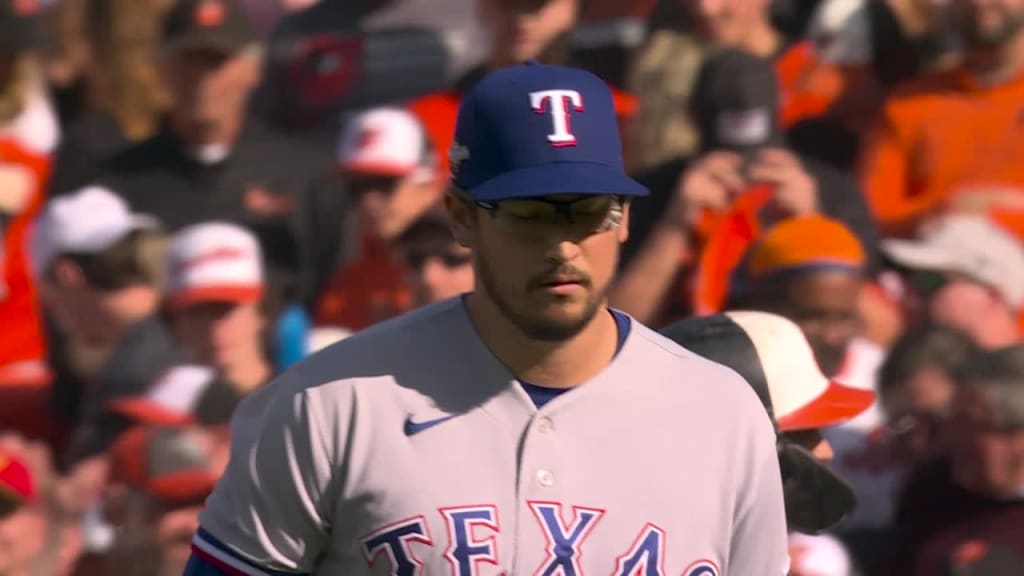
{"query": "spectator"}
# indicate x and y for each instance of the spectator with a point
(967, 273)
(29, 133)
(811, 270)
(100, 280)
(913, 167)
(215, 302)
(917, 387)
(210, 162)
(183, 396)
(807, 86)
(706, 210)
(123, 96)
(34, 539)
(437, 266)
(390, 170)
(519, 31)
(964, 513)
(160, 479)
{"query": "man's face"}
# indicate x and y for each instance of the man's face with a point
(438, 270)
(388, 205)
(526, 29)
(725, 22)
(174, 529)
(989, 22)
(987, 458)
(825, 306)
(546, 264)
(220, 334)
(75, 305)
(916, 410)
(22, 537)
(211, 91)
(956, 302)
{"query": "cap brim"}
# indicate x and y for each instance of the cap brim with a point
(558, 178)
(184, 486)
(376, 168)
(916, 255)
(837, 404)
(226, 293)
(143, 411)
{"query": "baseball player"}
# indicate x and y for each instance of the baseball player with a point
(524, 428)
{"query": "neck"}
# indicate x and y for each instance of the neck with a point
(126, 307)
(562, 364)
(247, 376)
(997, 64)
(763, 40)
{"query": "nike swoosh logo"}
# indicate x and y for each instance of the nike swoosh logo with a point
(413, 428)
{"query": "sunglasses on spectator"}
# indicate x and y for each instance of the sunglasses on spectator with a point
(916, 422)
(359, 184)
(418, 258)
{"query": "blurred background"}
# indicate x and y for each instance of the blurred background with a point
(195, 194)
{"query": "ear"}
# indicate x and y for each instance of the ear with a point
(462, 219)
(623, 230)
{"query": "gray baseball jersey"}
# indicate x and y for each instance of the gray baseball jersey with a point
(409, 449)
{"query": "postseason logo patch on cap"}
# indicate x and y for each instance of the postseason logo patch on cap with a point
(744, 127)
(457, 154)
(209, 13)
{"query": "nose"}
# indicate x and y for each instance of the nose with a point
(562, 250)
(432, 274)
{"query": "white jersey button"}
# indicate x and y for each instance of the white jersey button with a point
(544, 425)
(545, 478)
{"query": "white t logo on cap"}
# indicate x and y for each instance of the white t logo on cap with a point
(557, 103)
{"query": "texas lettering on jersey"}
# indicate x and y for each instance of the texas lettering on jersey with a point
(472, 536)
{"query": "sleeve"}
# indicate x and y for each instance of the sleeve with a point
(886, 176)
(759, 540)
(271, 509)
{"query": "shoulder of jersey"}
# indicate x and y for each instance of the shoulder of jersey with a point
(712, 381)
(379, 349)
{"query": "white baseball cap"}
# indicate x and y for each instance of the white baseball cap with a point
(840, 32)
(87, 221)
(172, 399)
(388, 142)
(818, 555)
(773, 355)
(966, 244)
(214, 262)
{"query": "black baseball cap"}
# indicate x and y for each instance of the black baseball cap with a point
(735, 102)
(220, 25)
(19, 26)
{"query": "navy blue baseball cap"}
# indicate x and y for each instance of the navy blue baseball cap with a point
(536, 130)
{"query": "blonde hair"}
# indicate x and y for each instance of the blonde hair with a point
(15, 93)
(123, 77)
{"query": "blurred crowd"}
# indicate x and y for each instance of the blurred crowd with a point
(856, 166)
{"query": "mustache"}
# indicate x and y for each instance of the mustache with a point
(560, 274)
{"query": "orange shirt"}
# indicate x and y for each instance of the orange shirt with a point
(945, 142)
(22, 342)
(368, 290)
(439, 113)
(808, 87)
